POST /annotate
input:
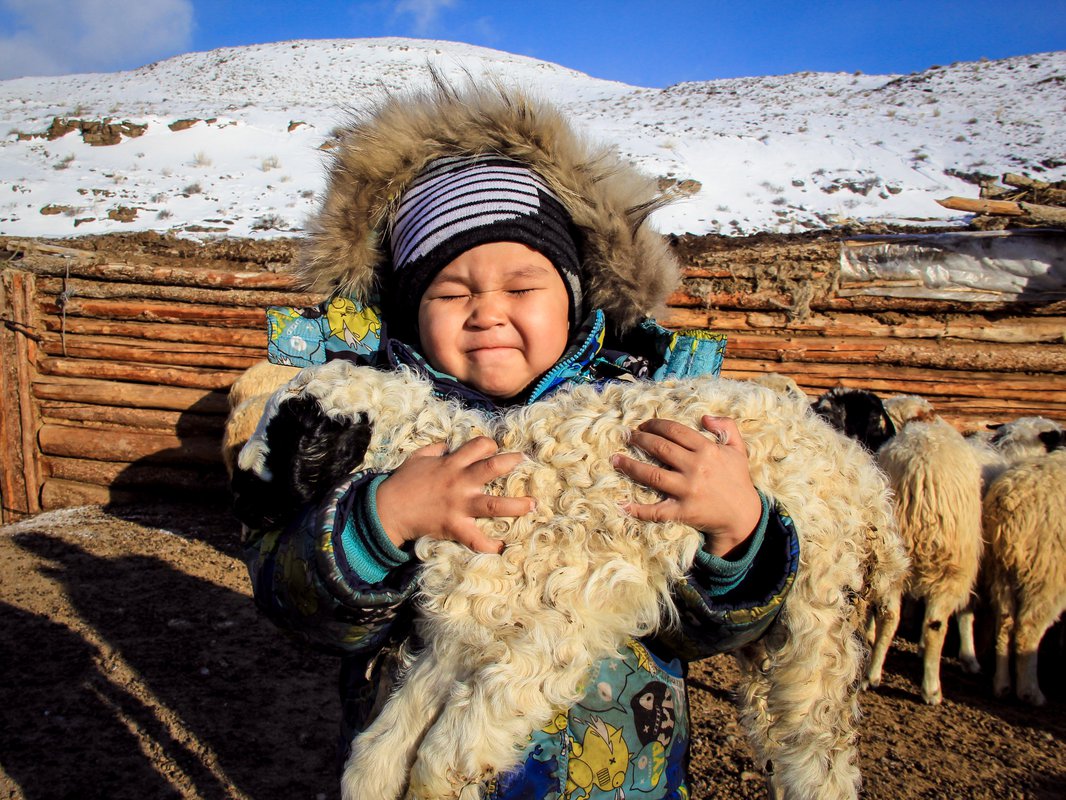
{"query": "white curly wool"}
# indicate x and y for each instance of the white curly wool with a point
(510, 639)
(1025, 522)
(936, 481)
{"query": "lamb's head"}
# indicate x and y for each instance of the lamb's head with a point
(325, 425)
(857, 413)
(1026, 437)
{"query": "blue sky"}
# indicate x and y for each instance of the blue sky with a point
(642, 43)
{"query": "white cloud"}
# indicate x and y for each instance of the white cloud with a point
(53, 37)
(425, 13)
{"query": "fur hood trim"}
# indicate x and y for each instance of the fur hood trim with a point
(628, 269)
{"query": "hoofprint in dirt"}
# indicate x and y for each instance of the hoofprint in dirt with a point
(133, 664)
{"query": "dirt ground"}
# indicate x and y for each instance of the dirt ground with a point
(133, 665)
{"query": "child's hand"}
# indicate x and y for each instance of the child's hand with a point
(440, 494)
(706, 481)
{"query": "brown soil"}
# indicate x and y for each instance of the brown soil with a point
(133, 665)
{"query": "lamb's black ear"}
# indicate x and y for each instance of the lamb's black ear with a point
(1053, 440)
(308, 453)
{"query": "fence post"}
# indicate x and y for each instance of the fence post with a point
(20, 463)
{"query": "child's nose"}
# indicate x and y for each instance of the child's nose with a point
(489, 309)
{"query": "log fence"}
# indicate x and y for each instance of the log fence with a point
(115, 371)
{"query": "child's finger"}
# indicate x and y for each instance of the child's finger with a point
(472, 537)
(677, 433)
(489, 469)
(725, 430)
(491, 505)
(653, 476)
(663, 450)
(663, 511)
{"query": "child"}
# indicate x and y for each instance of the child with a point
(512, 262)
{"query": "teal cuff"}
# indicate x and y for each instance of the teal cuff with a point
(722, 575)
(366, 545)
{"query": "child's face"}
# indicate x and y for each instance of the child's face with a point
(495, 318)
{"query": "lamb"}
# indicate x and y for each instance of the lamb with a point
(857, 413)
(1026, 437)
(1025, 523)
(247, 399)
(582, 578)
(936, 480)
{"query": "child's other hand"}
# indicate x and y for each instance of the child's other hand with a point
(705, 481)
(440, 494)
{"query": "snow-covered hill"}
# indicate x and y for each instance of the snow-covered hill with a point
(778, 153)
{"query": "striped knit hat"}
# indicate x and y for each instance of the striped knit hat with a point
(458, 203)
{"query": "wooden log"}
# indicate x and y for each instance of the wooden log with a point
(908, 380)
(144, 346)
(137, 352)
(129, 446)
(1048, 192)
(1033, 212)
(162, 332)
(14, 499)
(1043, 214)
(68, 494)
(187, 377)
(936, 355)
(183, 313)
(148, 419)
(22, 473)
(52, 287)
(973, 327)
(124, 475)
(166, 276)
(130, 395)
(976, 206)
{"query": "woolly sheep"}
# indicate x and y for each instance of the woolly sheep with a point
(935, 478)
(1025, 523)
(247, 399)
(480, 671)
(904, 408)
(1026, 437)
(857, 413)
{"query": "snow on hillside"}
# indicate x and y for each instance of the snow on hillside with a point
(780, 153)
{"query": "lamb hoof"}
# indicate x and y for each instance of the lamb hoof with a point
(971, 667)
(932, 698)
(1001, 691)
(1033, 697)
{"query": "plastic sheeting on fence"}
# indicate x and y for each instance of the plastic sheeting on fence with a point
(980, 266)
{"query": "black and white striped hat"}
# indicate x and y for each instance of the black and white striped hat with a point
(458, 203)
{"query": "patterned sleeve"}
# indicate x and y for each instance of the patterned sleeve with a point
(716, 621)
(304, 582)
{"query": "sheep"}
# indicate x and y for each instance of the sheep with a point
(857, 413)
(507, 667)
(1026, 437)
(247, 399)
(904, 408)
(935, 478)
(1025, 523)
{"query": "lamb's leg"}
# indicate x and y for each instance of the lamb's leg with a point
(887, 615)
(1033, 621)
(480, 733)
(809, 707)
(379, 766)
(967, 651)
(1003, 600)
(934, 629)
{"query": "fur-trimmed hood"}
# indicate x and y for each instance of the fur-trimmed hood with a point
(628, 270)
